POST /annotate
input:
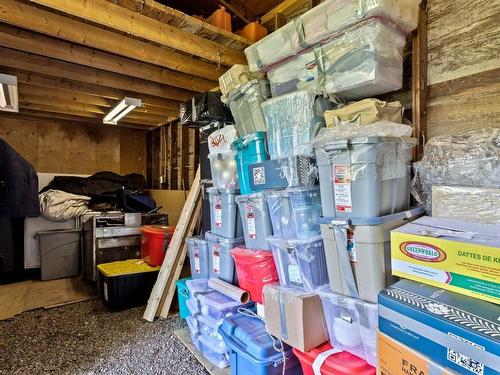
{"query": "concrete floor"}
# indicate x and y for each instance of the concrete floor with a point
(85, 338)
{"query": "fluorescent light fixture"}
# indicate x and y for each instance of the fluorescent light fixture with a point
(9, 100)
(120, 110)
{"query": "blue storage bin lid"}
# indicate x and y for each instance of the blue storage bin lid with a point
(373, 220)
(248, 337)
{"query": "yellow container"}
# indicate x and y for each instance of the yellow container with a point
(460, 256)
(253, 32)
(221, 19)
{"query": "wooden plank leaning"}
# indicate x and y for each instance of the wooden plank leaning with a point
(174, 248)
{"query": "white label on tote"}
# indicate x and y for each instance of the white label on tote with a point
(294, 274)
(218, 212)
(351, 246)
(216, 259)
(342, 187)
(105, 290)
(197, 266)
(251, 223)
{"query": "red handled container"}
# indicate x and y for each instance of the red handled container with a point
(330, 362)
(255, 268)
(154, 243)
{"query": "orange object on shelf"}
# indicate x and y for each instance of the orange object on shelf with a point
(221, 19)
(253, 32)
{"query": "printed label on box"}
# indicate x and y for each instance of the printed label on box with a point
(351, 246)
(259, 176)
(463, 361)
(197, 266)
(218, 213)
(216, 259)
(251, 223)
(342, 187)
(294, 274)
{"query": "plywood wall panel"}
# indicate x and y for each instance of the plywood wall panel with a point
(22, 136)
(64, 147)
(132, 151)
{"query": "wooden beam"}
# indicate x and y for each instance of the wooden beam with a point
(239, 10)
(288, 8)
(171, 256)
(80, 87)
(48, 100)
(39, 64)
(174, 17)
(62, 111)
(77, 97)
(119, 18)
(58, 49)
(29, 17)
(68, 119)
(419, 82)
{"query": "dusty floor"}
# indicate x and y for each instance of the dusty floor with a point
(85, 338)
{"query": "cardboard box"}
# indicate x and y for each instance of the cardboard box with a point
(455, 331)
(457, 255)
(295, 317)
(395, 358)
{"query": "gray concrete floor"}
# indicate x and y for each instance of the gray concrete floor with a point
(85, 338)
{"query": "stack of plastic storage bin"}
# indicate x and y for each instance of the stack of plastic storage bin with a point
(364, 182)
(351, 48)
(208, 308)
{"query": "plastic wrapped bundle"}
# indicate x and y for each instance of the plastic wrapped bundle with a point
(466, 203)
(364, 60)
(235, 77)
(292, 122)
(244, 103)
(284, 42)
(324, 20)
(467, 159)
(334, 15)
(204, 109)
(298, 72)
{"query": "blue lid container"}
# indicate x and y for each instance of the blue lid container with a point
(252, 350)
(183, 296)
(249, 150)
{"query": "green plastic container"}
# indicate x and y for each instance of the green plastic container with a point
(183, 296)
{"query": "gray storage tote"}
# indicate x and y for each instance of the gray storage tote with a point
(255, 220)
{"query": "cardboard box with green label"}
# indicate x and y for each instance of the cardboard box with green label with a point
(457, 255)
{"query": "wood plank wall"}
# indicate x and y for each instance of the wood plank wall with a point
(55, 146)
(463, 65)
(173, 152)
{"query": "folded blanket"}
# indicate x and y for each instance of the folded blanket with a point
(57, 205)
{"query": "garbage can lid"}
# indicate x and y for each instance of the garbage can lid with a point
(125, 267)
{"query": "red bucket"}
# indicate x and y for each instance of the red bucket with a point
(340, 363)
(154, 243)
(255, 268)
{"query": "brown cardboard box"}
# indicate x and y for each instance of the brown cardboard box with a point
(395, 358)
(295, 317)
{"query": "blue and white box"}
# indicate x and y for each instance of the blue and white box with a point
(453, 330)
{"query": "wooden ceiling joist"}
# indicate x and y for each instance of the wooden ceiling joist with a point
(54, 100)
(174, 17)
(240, 10)
(73, 112)
(40, 64)
(43, 45)
(122, 19)
(26, 90)
(70, 119)
(46, 22)
(80, 87)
